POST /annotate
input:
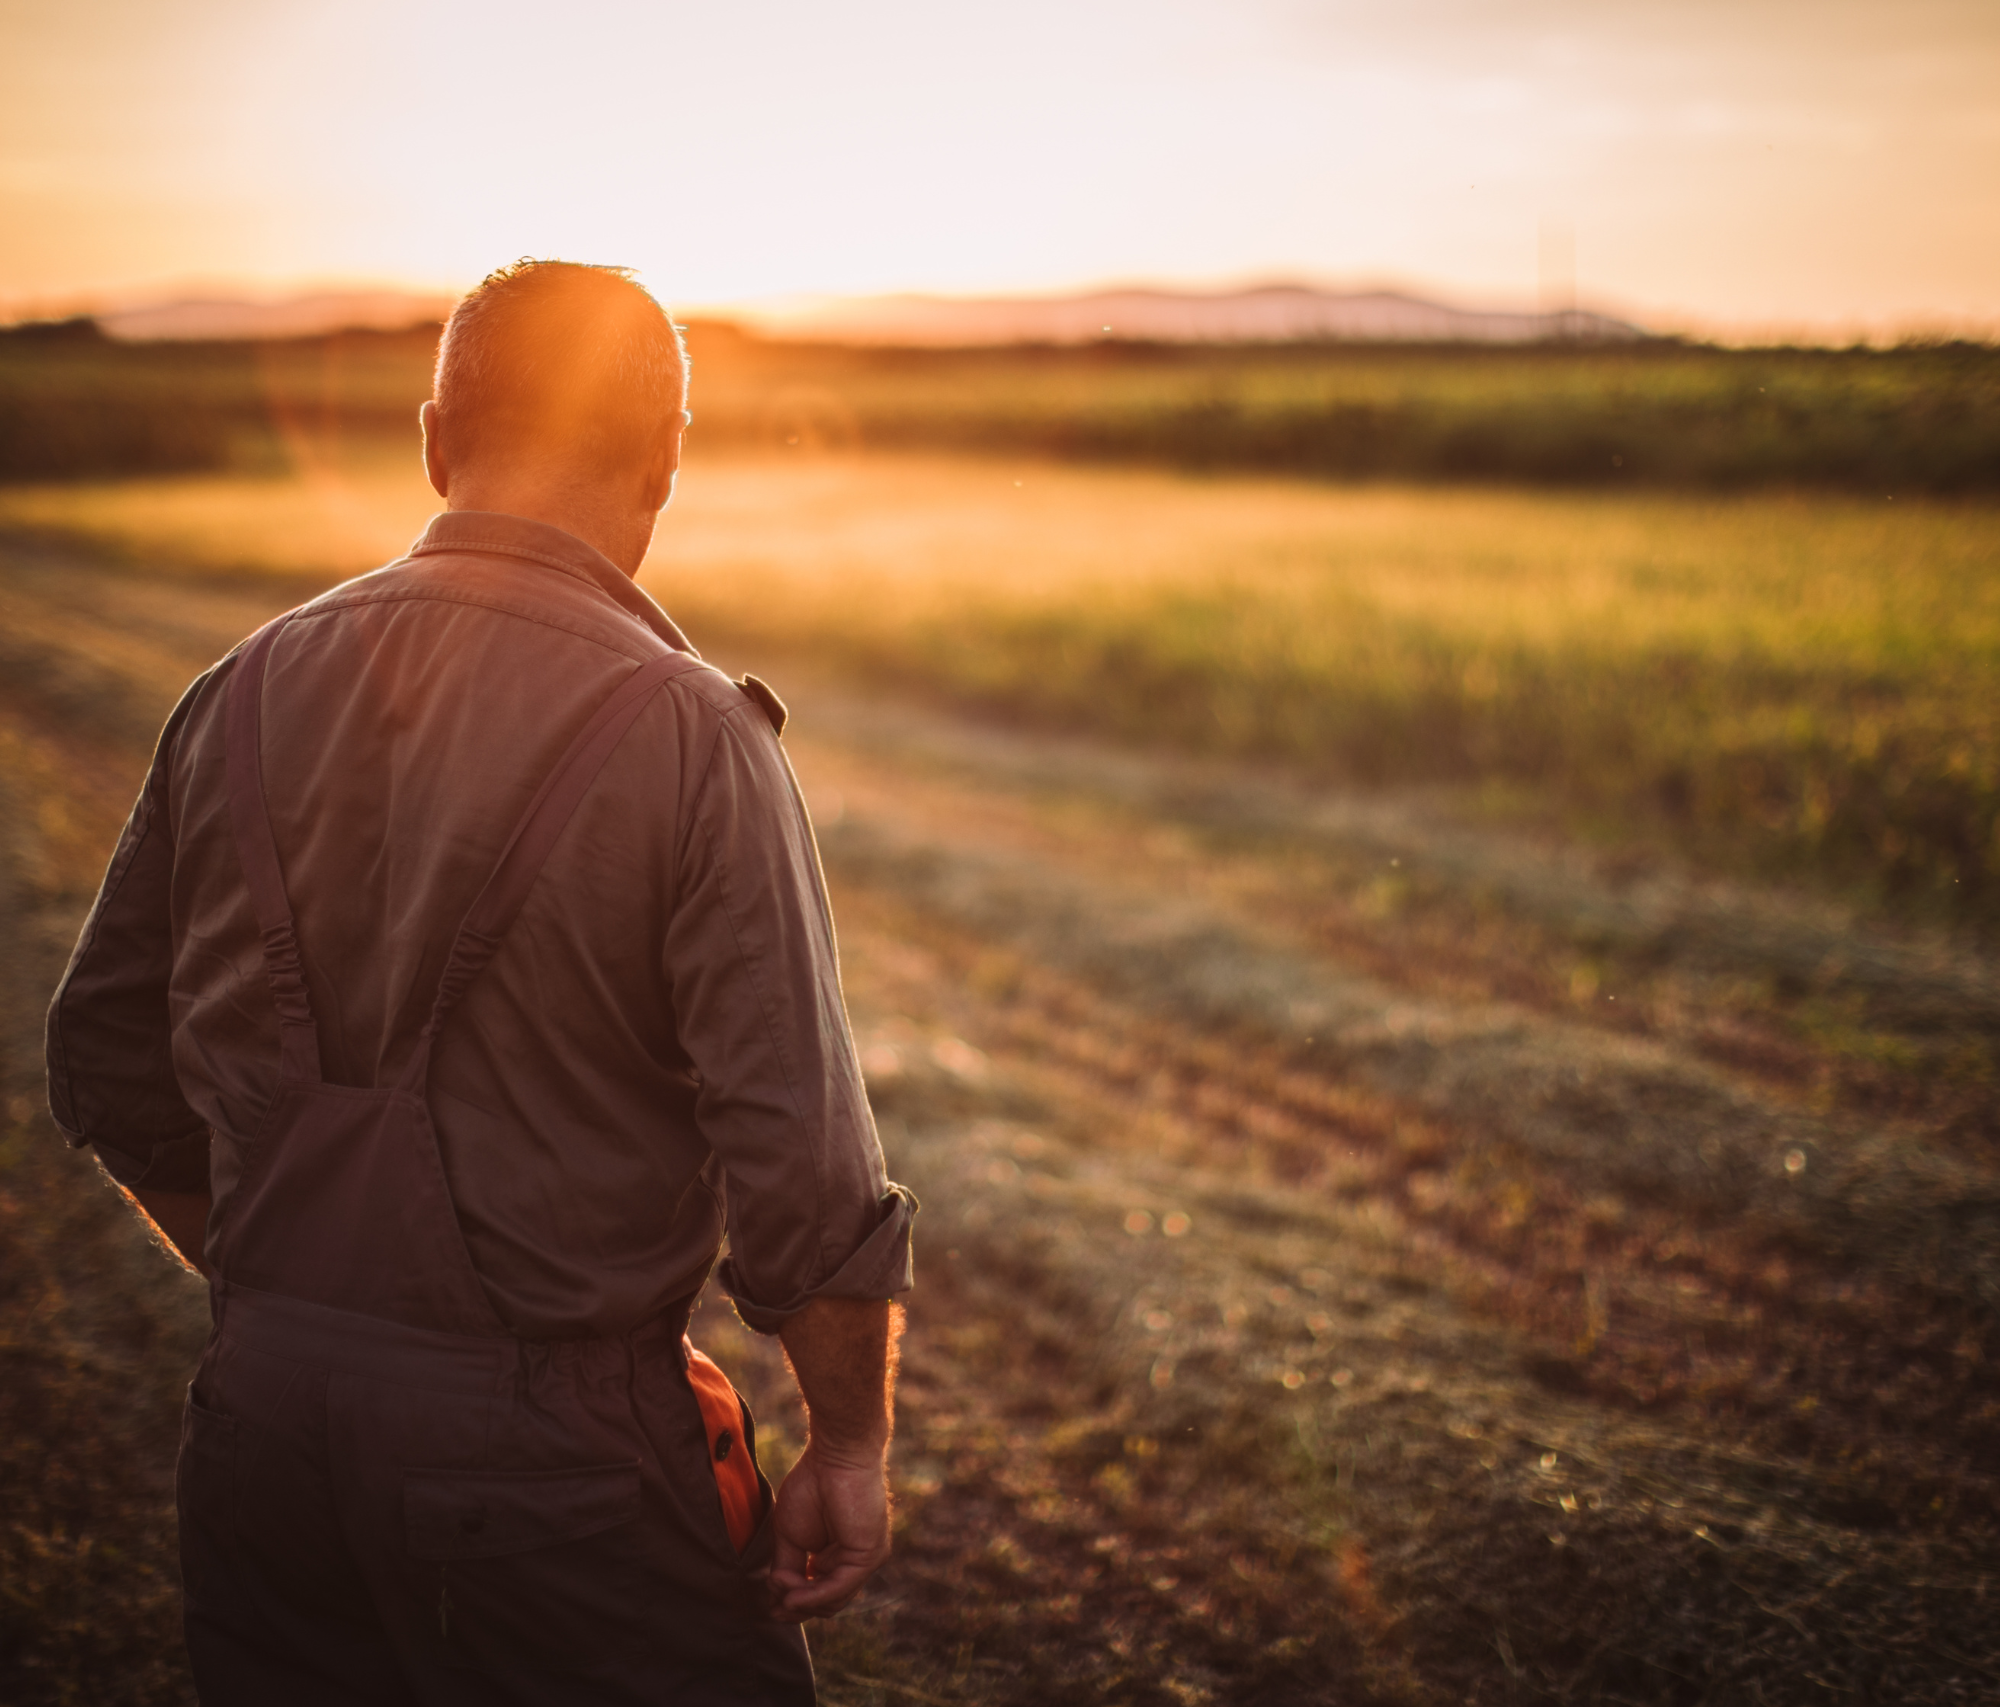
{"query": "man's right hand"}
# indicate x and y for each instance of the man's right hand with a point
(832, 1529)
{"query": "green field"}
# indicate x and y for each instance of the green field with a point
(1611, 416)
(1799, 687)
(1648, 415)
(1774, 684)
(74, 403)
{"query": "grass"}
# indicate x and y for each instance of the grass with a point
(1904, 422)
(1796, 686)
(97, 1334)
(1801, 686)
(1645, 415)
(331, 517)
(1266, 1457)
(75, 404)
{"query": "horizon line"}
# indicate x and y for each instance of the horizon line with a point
(768, 312)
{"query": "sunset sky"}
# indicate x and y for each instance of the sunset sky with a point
(1734, 165)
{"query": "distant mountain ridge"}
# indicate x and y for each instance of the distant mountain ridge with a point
(1264, 314)
(1273, 314)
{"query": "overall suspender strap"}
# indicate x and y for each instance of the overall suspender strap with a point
(258, 852)
(498, 903)
(548, 814)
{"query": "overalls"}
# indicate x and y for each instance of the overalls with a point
(385, 1497)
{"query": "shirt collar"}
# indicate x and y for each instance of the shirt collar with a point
(497, 534)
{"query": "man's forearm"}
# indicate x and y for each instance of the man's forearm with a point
(180, 1218)
(832, 1519)
(843, 1354)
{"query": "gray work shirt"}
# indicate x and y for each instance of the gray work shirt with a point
(658, 1050)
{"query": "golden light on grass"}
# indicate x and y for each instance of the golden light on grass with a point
(338, 520)
(1809, 681)
(893, 539)
(799, 550)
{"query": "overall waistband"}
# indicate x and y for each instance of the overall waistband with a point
(380, 1350)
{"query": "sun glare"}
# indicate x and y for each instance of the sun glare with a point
(1766, 174)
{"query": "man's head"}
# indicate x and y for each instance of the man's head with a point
(554, 377)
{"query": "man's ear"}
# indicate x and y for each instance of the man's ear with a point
(434, 463)
(661, 469)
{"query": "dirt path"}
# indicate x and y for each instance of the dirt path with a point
(1366, 1255)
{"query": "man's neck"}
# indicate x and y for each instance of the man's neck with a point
(621, 532)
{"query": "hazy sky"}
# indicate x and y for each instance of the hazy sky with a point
(1745, 164)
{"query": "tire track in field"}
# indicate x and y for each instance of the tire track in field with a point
(1606, 1108)
(1654, 911)
(1665, 1227)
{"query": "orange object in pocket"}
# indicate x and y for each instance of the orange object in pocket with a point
(729, 1454)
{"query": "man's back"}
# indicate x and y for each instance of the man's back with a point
(408, 719)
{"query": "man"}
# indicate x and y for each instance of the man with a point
(463, 971)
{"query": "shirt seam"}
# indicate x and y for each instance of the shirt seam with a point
(700, 787)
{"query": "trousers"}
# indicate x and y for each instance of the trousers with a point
(378, 1514)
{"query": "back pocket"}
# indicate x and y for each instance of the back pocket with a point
(537, 1568)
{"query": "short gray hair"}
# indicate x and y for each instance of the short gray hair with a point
(560, 359)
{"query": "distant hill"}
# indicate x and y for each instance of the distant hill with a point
(295, 317)
(1268, 314)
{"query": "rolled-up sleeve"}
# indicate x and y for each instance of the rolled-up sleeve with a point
(756, 990)
(109, 1041)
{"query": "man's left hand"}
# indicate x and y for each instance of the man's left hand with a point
(832, 1529)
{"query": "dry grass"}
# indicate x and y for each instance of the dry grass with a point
(1289, 1451)
(99, 1334)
